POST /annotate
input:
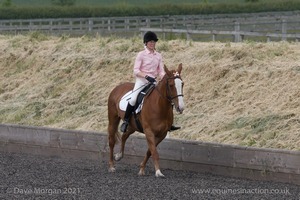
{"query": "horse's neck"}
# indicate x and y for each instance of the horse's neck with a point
(158, 102)
(161, 88)
(161, 92)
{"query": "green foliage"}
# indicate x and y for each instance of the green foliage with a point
(6, 3)
(63, 2)
(129, 9)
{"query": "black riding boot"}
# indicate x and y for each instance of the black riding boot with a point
(174, 128)
(127, 116)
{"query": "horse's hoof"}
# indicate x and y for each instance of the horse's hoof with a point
(141, 172)
(159, 174)
(112, 169)
(118, 156)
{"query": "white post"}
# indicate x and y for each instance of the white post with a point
(188, 35)
(71, 25)
(108, 24)
(51, 26)
(283, 30)
(91, 23)
(237, 36)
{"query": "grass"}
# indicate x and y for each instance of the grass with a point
(118, 2)
(129, 2)
(36, 9)
(235, 93)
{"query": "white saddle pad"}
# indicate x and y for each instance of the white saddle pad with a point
(124, 102)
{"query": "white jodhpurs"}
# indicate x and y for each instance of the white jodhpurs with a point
(140, 84)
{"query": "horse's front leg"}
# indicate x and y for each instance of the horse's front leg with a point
(152, 151)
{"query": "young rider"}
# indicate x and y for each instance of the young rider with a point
(148, 65)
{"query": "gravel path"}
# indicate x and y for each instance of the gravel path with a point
(36, 177)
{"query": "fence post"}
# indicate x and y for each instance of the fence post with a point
(80, 24)
(71, 25)
(51, 26)
(30, 25)
(147, 22)
(127, 24)
(91, 23)
(214, 34)
(108, 25)
(283, 30)
(237, 36)
(188, 35)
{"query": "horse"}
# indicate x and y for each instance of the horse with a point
(156, 117)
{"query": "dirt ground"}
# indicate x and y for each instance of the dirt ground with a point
(235, 93)
(39, 177)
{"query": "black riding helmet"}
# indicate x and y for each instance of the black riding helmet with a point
(149, 36)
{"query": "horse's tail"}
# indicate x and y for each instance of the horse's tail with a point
(113, 119)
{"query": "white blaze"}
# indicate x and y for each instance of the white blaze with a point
(178, 85)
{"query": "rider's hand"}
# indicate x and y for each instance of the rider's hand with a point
(150, 79)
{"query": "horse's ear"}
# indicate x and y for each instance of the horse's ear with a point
(179, 68)
(167, 70)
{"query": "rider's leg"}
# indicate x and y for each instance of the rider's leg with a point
(127, 116)
(139, 85)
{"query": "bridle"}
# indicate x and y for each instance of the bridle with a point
(169, 96)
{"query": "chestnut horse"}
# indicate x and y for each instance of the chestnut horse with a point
(156, 116)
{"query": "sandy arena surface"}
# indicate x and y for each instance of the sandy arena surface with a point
(36, 177)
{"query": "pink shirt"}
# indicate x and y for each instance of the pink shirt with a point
(149, 63)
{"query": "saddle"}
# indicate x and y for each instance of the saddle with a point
(139, 103)
(141, 96)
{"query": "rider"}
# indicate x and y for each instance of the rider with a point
(148, 65)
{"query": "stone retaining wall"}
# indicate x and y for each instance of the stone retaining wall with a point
(229, 160)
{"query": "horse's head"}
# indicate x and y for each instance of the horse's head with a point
(175, 87)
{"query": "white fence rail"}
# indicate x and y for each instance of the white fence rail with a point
(279, 26)
(237, 34)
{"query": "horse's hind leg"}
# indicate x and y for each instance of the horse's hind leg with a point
(143, 164)
(112, 141)
(113, 137)
(119, 156)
